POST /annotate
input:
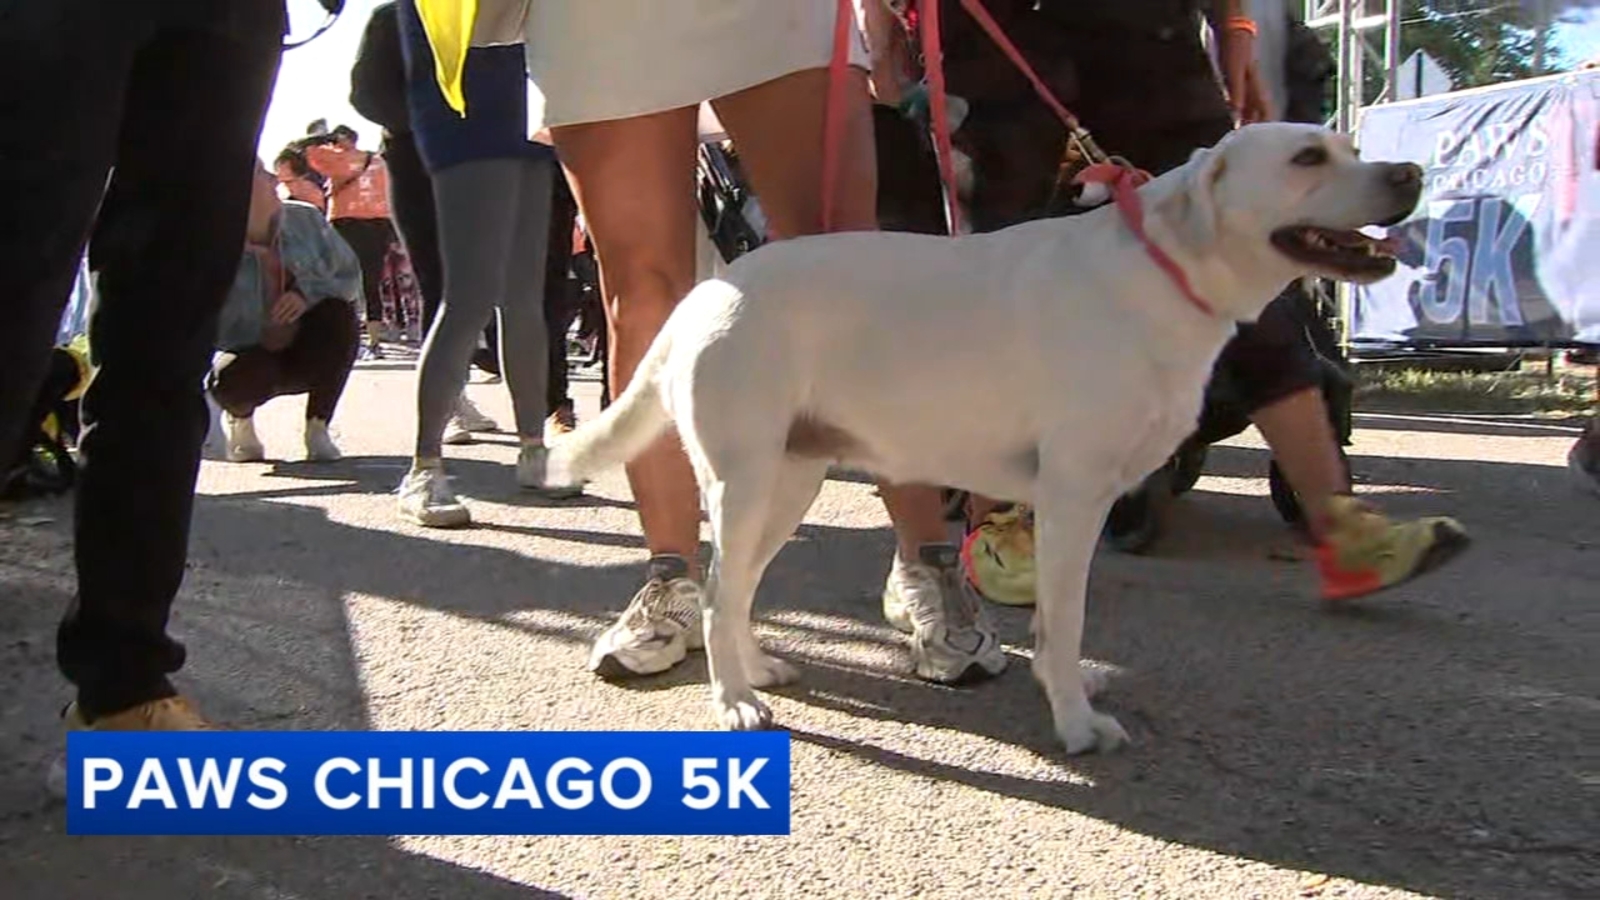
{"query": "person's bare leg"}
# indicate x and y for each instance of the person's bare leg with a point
(1302, 441)
(629, 177)
(777, 128)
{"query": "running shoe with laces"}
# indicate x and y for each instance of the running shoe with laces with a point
(319, 443)
(166, 714)
(455, 432)
(531, 460)
(997, 557)
(243, 445)
(426, 498)
(471, 417)
(952, 641)
(1363, 551)
(659, 627)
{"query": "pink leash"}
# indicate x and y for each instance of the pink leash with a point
(1124, 183)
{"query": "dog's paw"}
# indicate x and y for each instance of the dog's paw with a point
(768, 671)
(748, 714)
(1095, 680)
(1091, 731)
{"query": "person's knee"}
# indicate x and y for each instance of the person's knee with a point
(338, 322)
(231, 391)
(643, 294)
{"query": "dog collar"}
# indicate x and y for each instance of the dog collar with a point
(1124, 182)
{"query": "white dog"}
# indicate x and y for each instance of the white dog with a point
(1079, 365)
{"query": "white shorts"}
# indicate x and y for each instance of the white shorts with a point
(595, 60)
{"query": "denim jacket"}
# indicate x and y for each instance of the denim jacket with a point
(321, 264)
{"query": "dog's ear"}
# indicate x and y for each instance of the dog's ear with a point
(1192, 210)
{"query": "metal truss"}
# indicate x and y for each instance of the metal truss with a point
(1364, 33)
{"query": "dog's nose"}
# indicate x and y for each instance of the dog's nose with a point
(1405, 176)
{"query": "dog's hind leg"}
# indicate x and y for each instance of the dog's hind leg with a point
(1067, 526)
(737, 503)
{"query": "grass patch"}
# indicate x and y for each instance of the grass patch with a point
(1527, 389)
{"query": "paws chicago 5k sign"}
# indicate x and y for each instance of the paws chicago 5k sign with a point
(1505, 247)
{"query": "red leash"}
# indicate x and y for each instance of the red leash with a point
(1124, 183)
(1123, 180)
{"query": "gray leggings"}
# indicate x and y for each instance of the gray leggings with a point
(494, 218)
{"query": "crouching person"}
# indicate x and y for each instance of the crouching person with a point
(289, 324)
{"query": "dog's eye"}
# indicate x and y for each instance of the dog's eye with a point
(1310, 156)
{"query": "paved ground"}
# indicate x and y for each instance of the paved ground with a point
(1445, 741)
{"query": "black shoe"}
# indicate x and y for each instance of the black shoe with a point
(1135, 519)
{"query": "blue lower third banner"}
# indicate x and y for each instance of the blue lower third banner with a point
(428, 783)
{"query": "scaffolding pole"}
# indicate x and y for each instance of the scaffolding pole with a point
(1362, 31)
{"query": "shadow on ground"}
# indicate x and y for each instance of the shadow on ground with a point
(312, 687)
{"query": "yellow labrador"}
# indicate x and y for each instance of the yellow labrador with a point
(1081, 364)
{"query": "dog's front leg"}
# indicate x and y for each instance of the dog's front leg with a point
(1067, 529)
(737, 507)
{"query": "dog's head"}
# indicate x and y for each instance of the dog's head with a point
(1274, 202)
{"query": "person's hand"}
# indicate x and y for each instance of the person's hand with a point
(1255, 107)
(290, 306)
(1236, 50)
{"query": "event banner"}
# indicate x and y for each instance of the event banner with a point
(427, 783)
(1504, 248)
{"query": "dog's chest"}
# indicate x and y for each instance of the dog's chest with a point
(1164, 426)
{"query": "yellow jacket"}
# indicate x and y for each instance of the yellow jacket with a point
(453, 26)
(449, 27)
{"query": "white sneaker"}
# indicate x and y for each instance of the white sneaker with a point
(471, 417)
(531, 471)
(319, 443)
(659, 627)
(216, 443)
(427, 499)
(456, 432)
(243, 445)
(951, 640)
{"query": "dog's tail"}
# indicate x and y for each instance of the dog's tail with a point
(621, 432)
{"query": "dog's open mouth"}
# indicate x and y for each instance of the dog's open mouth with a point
(1349, 254)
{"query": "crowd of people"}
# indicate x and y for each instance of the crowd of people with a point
(486, 215)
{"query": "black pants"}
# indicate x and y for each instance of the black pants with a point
(92, 85)
(316, 363)
(370, 239)
(559, 307)
(411, 206)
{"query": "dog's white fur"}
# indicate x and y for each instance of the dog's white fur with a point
(1050, 363)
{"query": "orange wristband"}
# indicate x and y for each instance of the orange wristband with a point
(1241, 23)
